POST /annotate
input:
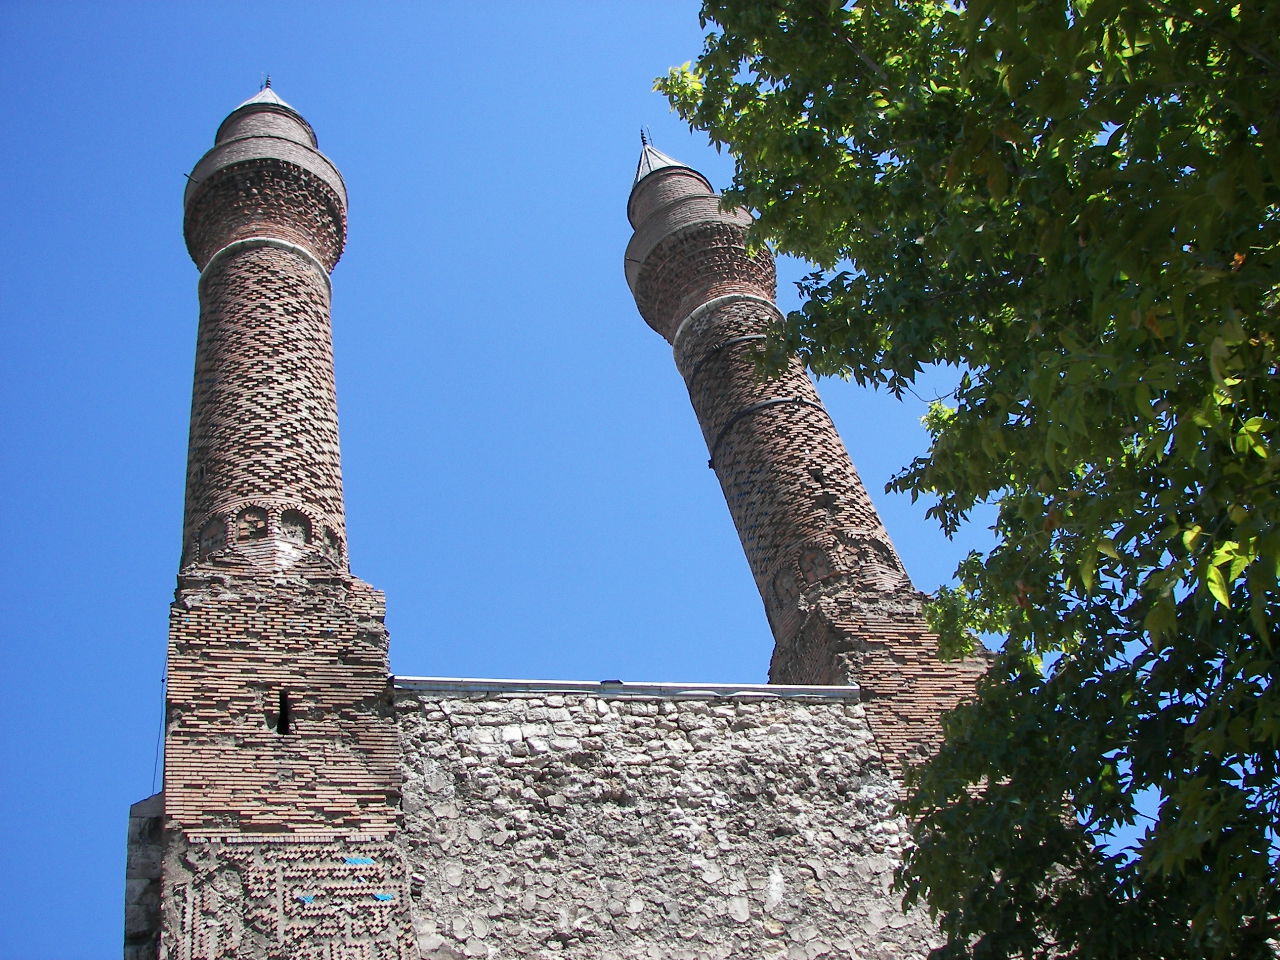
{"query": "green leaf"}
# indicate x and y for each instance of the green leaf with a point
(1217, 585)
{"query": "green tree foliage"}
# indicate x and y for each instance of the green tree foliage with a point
(1075, 204)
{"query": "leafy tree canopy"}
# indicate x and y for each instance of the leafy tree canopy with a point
(1075, 204)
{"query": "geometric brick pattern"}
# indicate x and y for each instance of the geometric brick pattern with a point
(237, 201)
(265, 221)
(281, 775)
(839, 602)
(288, 898)
(264, 422)
(802, 512)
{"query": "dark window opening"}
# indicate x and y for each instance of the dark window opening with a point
(284, 723)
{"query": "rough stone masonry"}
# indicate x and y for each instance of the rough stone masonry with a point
(316, 808)
(629, 821)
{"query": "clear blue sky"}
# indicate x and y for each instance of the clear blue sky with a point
(524, 476)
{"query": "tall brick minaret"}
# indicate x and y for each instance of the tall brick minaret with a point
(837, 597)
(266, 218)
(281, 764)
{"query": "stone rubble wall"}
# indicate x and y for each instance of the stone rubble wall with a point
(885, 646)
(614, 827)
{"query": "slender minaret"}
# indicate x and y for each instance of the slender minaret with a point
(281, 762)
(265, 223)
(275, 674)
(838, 600)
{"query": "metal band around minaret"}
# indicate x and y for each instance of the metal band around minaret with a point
(704, 308)
(252, 243)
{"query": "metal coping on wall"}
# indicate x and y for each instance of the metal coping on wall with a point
(615, 689)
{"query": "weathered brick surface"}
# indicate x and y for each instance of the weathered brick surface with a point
(693, 254)
(882, 644)
(240, 649)
(265, 120)
(265, 196)
(838, 599)
(281, 782)
(602, 826)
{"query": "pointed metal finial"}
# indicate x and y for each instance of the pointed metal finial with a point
(644, 137)
(266, 82)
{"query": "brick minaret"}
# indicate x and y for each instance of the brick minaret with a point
(838, 600)
(265, 223)
(281, 757)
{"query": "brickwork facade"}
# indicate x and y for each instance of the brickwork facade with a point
(839, 602)
(286, 898)
(279, 718)
(264, 473)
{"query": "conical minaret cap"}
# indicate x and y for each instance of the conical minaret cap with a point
(651, 159)
(659, 179)
(266, 114)
(266, 95)
(265, 127)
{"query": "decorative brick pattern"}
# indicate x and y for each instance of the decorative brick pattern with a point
(265, 196)
(281, 782)
(802, 512)
(287, 898)
(613, 827)
(691, 264)
(264, 418)
(838, 599)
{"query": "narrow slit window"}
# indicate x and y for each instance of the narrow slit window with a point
(284, 723)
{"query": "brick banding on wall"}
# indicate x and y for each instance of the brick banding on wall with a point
(235, 646)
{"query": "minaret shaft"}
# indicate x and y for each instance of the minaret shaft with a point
(265, 221)
(837, 597)
(277, 655)
(281, 762)
(802, 512)
(264, 465)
